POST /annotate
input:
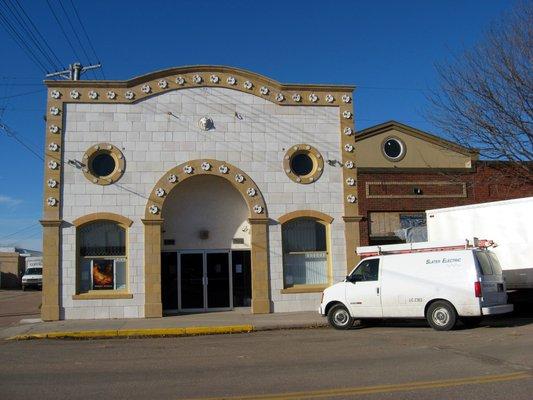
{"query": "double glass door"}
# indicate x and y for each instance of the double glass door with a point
(204, 281)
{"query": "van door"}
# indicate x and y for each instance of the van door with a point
(491, 278)
(363, 292)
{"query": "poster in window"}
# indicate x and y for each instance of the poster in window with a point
(102, 274)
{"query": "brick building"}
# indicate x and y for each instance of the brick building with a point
(425, 172)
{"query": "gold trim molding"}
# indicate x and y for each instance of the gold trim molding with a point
(305, 213)
(235, 176)
(102, 216)
(104, 148)
(314, 155)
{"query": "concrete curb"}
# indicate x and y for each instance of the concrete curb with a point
(160, 332)
(125, 333)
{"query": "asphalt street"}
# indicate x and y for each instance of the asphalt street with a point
(16, 305)
(394, 360)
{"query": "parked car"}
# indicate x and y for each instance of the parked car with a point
(33, 277)
(441, 284)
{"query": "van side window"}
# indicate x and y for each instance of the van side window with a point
(496, 267)
(484, 263)
(368, 270)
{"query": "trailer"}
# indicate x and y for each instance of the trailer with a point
(508, 223)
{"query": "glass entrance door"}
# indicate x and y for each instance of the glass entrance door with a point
(191, 291)
(218, 280)
(204, 281)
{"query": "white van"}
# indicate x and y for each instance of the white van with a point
(33, 277)
(441, 286)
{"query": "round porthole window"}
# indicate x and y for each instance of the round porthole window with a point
(303, 163)
(393, 148)
(103, 164)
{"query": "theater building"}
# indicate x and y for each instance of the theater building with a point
(196, 189)
(209, 188)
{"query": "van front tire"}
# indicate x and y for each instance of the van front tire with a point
(339, 317)
(441, 316)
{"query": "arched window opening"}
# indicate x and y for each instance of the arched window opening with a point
(305, 252)
(102, 256)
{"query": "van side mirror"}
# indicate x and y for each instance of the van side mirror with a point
(350, 278)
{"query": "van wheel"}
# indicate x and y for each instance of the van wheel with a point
(339, 317)
(441, 316)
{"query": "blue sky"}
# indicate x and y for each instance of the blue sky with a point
(387, 48)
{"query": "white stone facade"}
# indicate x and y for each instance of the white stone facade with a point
(161, 132)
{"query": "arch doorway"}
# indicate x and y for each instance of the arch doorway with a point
(206, 263)
(206, 241)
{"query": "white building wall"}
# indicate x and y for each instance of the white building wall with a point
(250, 133)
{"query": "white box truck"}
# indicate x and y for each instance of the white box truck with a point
(442, 282)
(508, 223)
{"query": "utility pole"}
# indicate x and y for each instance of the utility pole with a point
(74, 71)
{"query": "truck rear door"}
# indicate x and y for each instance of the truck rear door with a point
(491, 279)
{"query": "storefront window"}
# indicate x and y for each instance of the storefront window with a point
(102, 253)
(305, 256)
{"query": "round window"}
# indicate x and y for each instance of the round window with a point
(102, 164)
(302, 164)
(393, 148)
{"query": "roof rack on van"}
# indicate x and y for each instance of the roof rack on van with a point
(421, 247)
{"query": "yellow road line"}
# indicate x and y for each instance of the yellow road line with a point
(402, 387)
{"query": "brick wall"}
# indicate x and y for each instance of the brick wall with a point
(487, 182)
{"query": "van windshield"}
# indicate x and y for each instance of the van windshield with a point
(496, 267)
(484, 263)
(34, 271)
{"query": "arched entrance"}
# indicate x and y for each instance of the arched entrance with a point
(204, 206)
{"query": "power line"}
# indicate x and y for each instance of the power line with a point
(20, 84)
(25, 29)
(87, 37)
(69, 20)
(20, 41)
(70, 163)
(391, 88)
(20, 94)
(39, 34)
(62, 29)
(27, 228)
(12, 134)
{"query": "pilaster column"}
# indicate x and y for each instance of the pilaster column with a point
(353, 239)
(51, 260)
(260, 269)
(153, 307)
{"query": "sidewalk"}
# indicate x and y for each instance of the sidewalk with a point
(237, 321)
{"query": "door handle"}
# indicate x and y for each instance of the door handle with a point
(377, 291)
